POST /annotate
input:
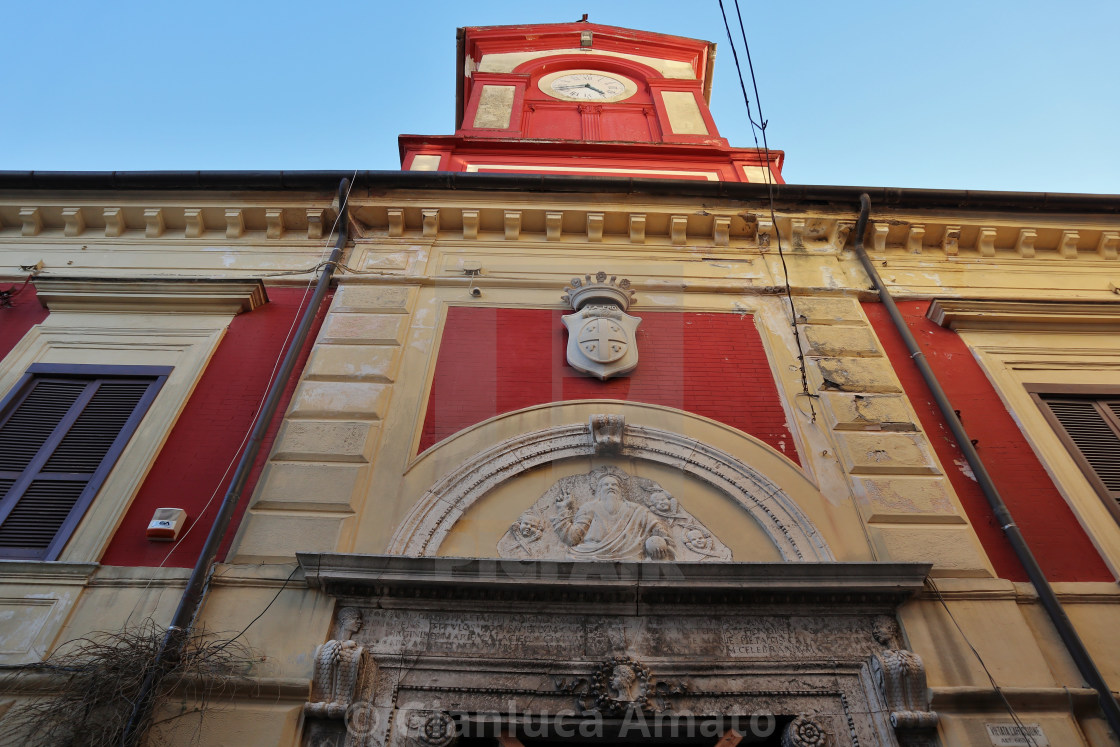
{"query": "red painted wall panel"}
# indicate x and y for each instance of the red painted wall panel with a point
(1053, 533)
(207, 436)
(498, 360)
(15, 322)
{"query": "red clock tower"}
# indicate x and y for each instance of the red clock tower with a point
(584, 99)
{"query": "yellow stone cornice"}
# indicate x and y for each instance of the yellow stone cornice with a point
(1041, 315)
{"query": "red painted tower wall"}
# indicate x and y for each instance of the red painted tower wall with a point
(207, 437)
(1050, 528)
(491, 361)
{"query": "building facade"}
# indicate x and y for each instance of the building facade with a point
(602, 432)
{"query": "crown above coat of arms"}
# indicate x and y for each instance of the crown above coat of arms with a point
(601, 335)
(599, 290)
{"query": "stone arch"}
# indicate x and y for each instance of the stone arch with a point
(428, 523)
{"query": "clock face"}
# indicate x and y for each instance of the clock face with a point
(587, 85)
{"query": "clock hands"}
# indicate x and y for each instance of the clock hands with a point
(582, 85)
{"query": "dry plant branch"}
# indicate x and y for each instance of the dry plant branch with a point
(91, 684)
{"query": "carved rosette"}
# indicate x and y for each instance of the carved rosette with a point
(434, 729)
(607, 514)
(804, 732)
(602, 337)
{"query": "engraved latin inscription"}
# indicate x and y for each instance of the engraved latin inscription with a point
(486, 635)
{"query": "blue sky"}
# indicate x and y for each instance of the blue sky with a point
(988, 94)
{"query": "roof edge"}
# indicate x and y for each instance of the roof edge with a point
(315, 181)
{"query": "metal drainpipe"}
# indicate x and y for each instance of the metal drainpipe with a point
(1046, 595)
(178, 632)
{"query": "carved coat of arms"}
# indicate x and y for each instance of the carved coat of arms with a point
(602, 337)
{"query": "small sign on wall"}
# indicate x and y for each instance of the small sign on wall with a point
(1015, 735)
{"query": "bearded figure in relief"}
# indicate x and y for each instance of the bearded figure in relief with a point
(607, 514)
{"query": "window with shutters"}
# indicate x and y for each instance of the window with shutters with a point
(61, 430)
(1089, 425)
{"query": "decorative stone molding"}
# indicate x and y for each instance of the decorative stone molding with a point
(764, 233)
(316, 223)
(149, 294)
(709, 640)
(893, 234)
(986, 241)
(1082, 316)
(1067, 244)
(470, 224)
(1024, 243)
(879, 233)
(594, 226)
(915, 238)
(274, 223)
(1108, 243)
(430, 218)
(637, 228)
(153, 223)
(435, 513)
(432, 728)
(804, 732)
(195, 223)
(396, 222)
(32, 220)
(839, 231)
(607, 431)
(553, 225)
(678, 229)
(235, 223)
(721, 230)
(114, 222)
(950, 241)
(511, 223)
(488, 584)
(74, 222)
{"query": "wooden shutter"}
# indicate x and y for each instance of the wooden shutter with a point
(1090, 428)
(59, 438)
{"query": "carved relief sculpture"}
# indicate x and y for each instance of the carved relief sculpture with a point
(339, 669)
(601, 335)
(901, 678)
(607, 514)
(804, 732)
(621, 685)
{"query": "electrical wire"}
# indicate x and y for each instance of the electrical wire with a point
(763, 152)
(1007, 704)
(266, 607)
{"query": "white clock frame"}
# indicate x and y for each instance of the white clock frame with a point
(545, 85)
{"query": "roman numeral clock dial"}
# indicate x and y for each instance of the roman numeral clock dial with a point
(587, 85)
